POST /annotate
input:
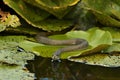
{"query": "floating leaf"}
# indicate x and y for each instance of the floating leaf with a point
(28, 45)
(29, 13)
(94, 36)
(10, 41)
(58, 8)
(107, 12)
(106, 60)
(10, 56)
(54, 24)
(13, 73)
(115, 32)
(9, 53)
(97, 39)
(36, 16)
(113, 48)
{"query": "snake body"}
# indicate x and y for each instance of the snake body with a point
(76, 44)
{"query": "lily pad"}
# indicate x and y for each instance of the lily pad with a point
(58, 8)
(10, 41)
(113, 48)
(13, 73)
(11, 56)
(107, 60)
(9, 53)
(105, 11)
(36, 16)
(97, 39)
(115, 32)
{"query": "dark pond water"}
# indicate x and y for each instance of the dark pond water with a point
(44, 69)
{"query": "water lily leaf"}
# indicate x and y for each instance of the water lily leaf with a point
(101, 59)
(10, 41)
(13, 73)
(113, 48)
(28, 45)
(94, 36)
(29, 13)
(36, 17)
(9, 53)
(98, 40)
(54, 24)
(23, 30)
(114, 32)
(58, 8)
(12, 56)
(105, 11)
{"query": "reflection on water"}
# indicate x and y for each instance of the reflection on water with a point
(44, 69)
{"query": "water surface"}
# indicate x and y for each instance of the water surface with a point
(44, 69)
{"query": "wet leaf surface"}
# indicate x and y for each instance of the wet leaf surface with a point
(107, 60)
(106, 12)
(13, 58)
(37, 17)
(99, 42)
(9, 50)
(13, 73)
(57, 8)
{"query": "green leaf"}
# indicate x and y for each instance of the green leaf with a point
(37, 16)
(106, 12)
(98, 40)
(29, 13)
(12, 21)
(54, 24)
(2, 27)
(9, 53)
(113, 48)
(13, 73)
(115, 32)
(94, 36)
(101, 59)
(10, 41)
(28, 45)
(58, 8)
(9, 21)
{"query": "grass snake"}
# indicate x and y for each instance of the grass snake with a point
(76, 44)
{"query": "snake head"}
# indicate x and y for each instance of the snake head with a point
(56, 56)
